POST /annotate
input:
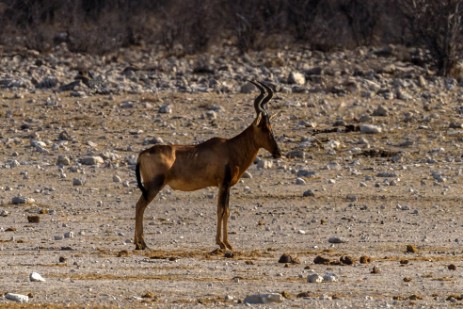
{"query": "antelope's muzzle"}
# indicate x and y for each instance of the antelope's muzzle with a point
(276, 153)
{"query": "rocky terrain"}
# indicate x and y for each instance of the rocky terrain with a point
(363, 211)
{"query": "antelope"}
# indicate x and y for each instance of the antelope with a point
(217, 162)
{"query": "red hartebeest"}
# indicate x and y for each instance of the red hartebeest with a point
(218, 162)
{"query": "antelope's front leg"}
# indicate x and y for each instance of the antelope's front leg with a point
(225, 217)
(218, 236)
(223, 213)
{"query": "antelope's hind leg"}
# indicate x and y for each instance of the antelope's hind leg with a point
(153, 190)
(223, 211)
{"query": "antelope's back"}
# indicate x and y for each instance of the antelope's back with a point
(198, 166)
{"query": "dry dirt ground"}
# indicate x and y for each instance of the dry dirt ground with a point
(379, 193)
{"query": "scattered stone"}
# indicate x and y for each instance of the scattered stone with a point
(33, 219)
(69, 235)
(91, 160)
(321, 260)
(153, 141)
(263, 298)
(22, 299)
(308, 193)
(386, 174)
(296, 154)
(296, 78)
(288, 259)
(336, 240)
(165, 109)
(330, 277)
(407, 279)
(402, 207)
(347, 260)
(376, 270)
(403, 262)
(211, 115)
(314, 278)
(63, 160)
(117, 179)
(36, 277)
(370, 129)
(300, 181)
(452, 267)
(306, 173)
(303, 294)
(4, 213)
(127, 104)
(77, 182)
(22, 200)
(123, 253)
(264, 164)
(246, 174)
(380, 111)
(403, 95)
(411, 249)
(365, 259)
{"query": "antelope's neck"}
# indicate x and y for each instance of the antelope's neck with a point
(243, 149)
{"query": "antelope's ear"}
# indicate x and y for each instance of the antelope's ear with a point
(274, 115)
(258, 119)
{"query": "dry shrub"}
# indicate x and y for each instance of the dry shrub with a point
(99, 26)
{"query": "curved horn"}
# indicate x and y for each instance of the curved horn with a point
(260, 98)
(268, 97)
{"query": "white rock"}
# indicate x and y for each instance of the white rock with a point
(91, 160)
(246, 174)
(117, 178)
(370, 129)
(300, 181)
(264, 164)
(165, 109)
(211, 115)
(263, 298)
(17, 297)
(36, 277)
(329, 277)
(296, 78)
(22, 200)
(63, 160)
(314, 278)
(402, 207)
(333, 145)
(38, 144)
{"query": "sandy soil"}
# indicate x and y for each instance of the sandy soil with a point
(379, 193)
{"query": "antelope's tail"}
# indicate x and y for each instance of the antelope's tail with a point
(140, 184)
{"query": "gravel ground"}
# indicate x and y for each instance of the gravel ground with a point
(368, 191)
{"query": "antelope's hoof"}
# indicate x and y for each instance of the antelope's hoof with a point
(228, 246)
(140, 246)
(221, 245)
